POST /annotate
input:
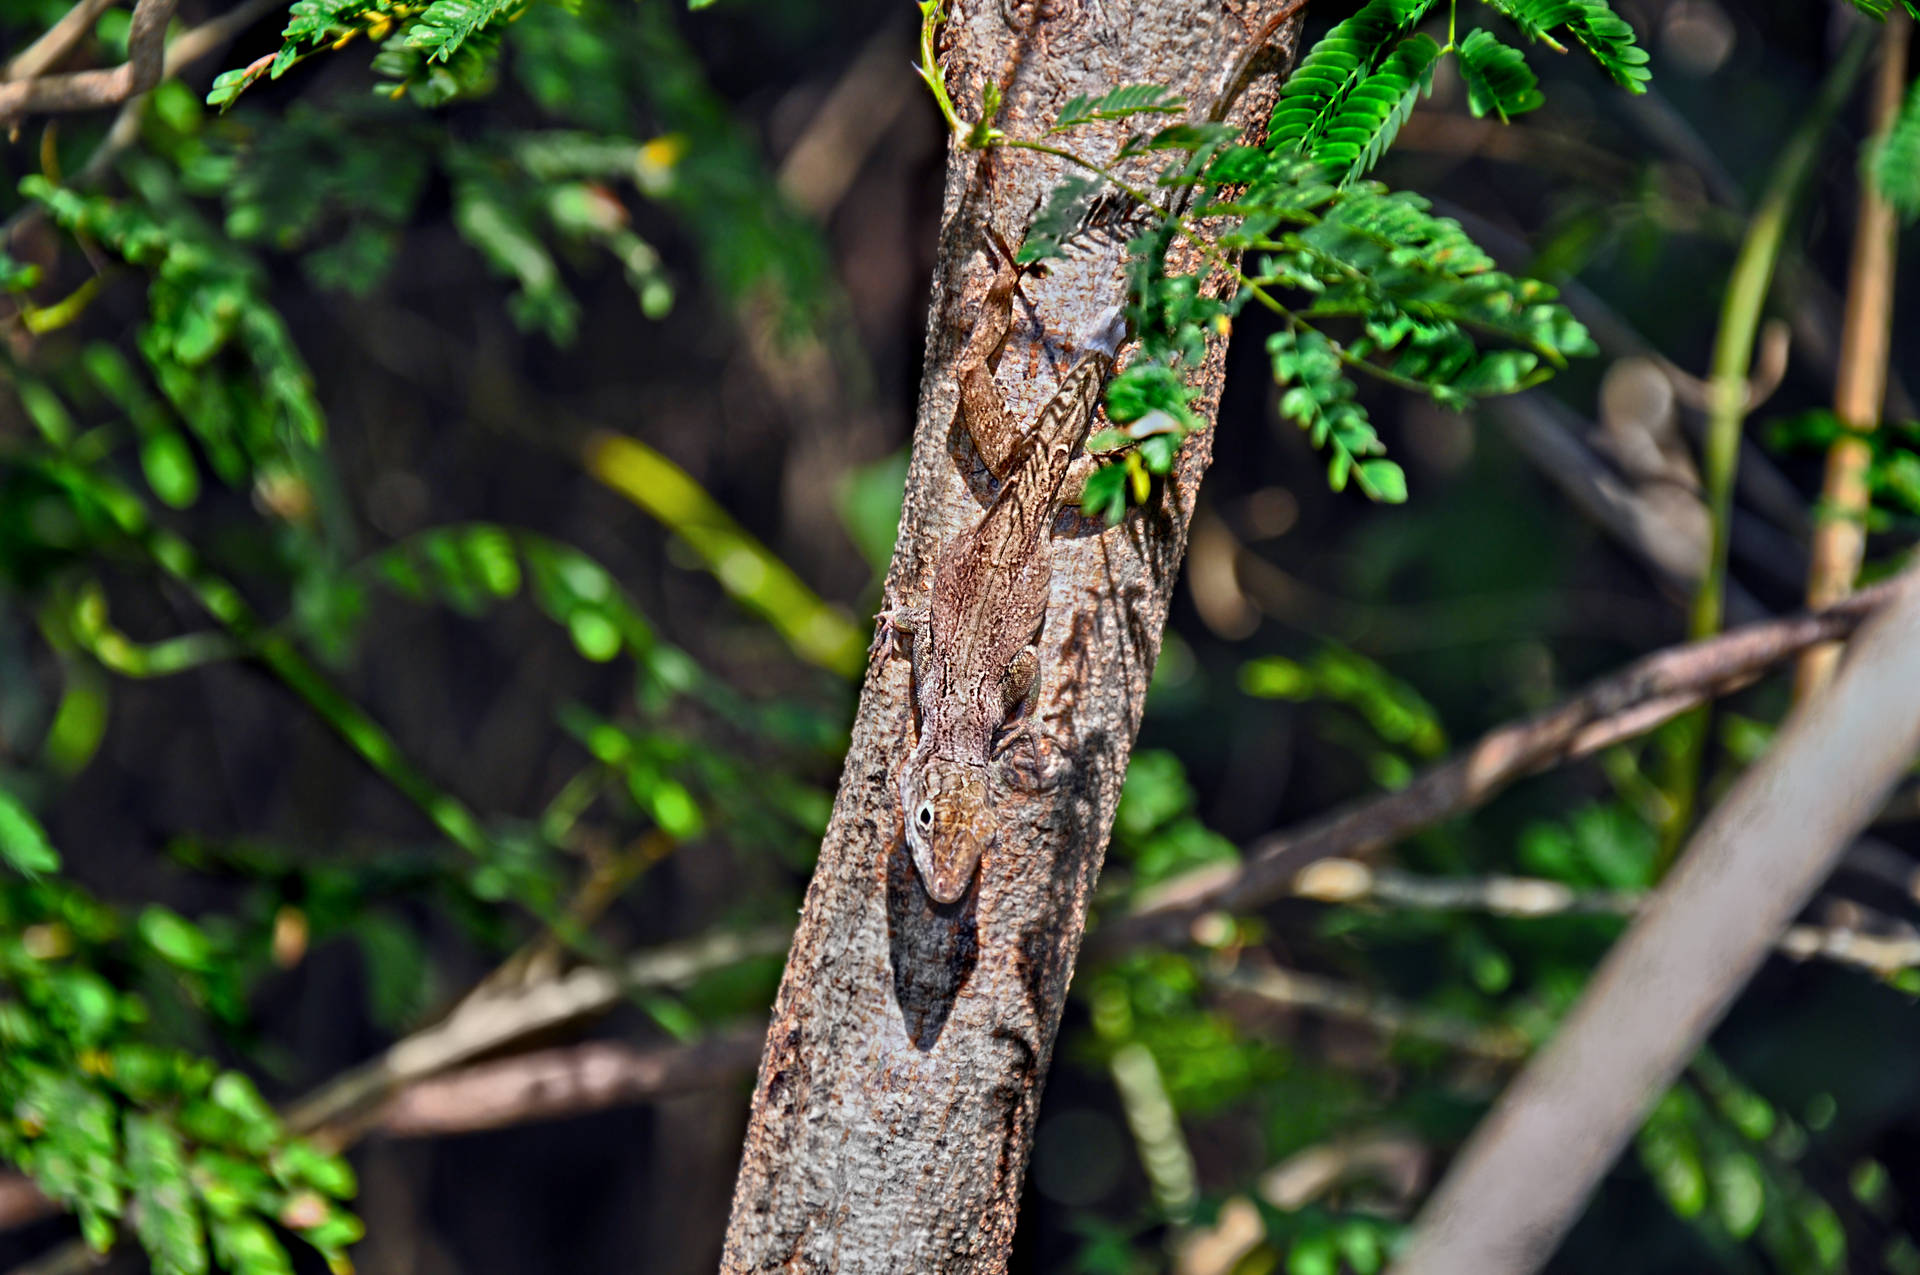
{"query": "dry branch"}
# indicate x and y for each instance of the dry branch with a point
(1523, 1177)
(1350, 881)
(1616, 708)
(91, 90)
(494, 1019)
(552, 1084)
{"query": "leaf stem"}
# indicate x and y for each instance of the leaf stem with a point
(1746, 294)
(177, 559)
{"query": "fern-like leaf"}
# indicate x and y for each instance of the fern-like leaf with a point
(1066, 209)
(1895, 160)
(1497, 77)
(1368, 120)
(312, 22)
(1593, 25)
(1118, 104)
(445, 25)
(1318, 395)
(1318, 89)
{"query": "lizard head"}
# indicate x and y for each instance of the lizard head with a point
(949, 823)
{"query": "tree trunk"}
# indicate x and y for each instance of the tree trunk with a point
(902, 1072)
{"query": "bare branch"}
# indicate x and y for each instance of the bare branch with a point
(1382, 1013)
(555, 1083)
(90, 90)
(1350, 881)
(484, 1023)
(56, 42)
(1616, 708)
(1523, 1177)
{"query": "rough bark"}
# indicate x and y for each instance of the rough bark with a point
(896, 1098)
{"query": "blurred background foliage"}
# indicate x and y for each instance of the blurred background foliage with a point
(442, 483)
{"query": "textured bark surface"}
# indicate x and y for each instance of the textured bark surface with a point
(909, 1042)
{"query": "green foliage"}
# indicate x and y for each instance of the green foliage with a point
(1318, 396)
(1497, 77)
(122, 1128)
(1894, 158)
(444, 26)
(1893, 460)
(1155, 829)
(220, 355)
(434, 54)
(112, 1106)
(1372, 113)
(1591, 23)
(1396, 716)
(1117, 104)
(1349, 95)
(1315, 97)
(1430, 310)
(23, 843)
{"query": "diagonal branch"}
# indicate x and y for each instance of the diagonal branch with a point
(1522, 1179)
(1631, 702)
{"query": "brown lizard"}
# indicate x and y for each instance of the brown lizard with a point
(973, 645)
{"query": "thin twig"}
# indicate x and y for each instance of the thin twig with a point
(1384, 1014)
(1350, 881)
(1746, 294)
(1616, 708)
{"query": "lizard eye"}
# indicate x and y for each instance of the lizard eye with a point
(925, 817)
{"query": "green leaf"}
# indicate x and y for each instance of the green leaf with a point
(1497, 77)
(1894, 158)
(1116, 104)
(17, 276)
(246, 1246)
(23, 843)
(1105, 494)
(445, 25)
(167, 1219)
(1059, 220)
(1382, 480)
(1316, 94)
(1317, 395)
(1353, 140)
(1591, 23)
(175, 938)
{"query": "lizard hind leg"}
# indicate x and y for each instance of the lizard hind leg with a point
(1020, 743)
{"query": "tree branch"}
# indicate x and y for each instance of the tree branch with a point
(1616, 708)
(495, 1019)
(896, 1100)
(56, 41)
(1350, 881)
(1521, 1180)
(554, 1084)
(90, 90)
